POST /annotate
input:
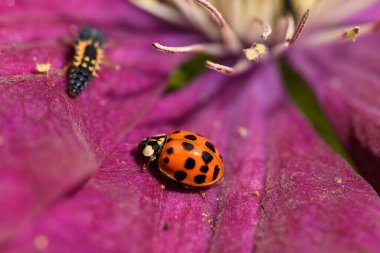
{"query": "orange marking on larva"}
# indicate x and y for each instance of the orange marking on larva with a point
(80, 48)
(80, 59)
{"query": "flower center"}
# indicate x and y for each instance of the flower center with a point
(248, 29)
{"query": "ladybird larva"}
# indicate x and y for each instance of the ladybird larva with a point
(89, 48)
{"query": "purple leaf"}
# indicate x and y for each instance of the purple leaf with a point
(284, 189)
(349, 91)
(49, 143)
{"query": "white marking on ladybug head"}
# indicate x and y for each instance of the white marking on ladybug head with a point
(148, 151)
(161, 141)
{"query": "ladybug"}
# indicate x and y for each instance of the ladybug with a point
(88, 57)
(185, 157)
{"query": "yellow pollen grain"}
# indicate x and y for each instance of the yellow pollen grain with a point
(352, 34)
(41, 242)
(86, 58)
(93, 62)
(43, 67)
(253, 53)
(91, 68)
(84, 65)
(338, 180)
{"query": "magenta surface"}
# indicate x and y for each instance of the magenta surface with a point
(284, 190)
(70, 174)
(50, 143)
(346, 80)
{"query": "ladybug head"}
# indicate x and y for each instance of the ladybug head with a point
(152, 146)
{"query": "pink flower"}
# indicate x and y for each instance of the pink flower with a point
(70, 174)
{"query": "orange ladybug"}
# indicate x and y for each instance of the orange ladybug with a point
(185, 157)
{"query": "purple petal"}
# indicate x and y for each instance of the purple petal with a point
(368, 14)
(313, 201)
(284, 190)
(50, 143)
(349, 92)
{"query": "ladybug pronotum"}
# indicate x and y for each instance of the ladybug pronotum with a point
(88, 57)
(185, 157)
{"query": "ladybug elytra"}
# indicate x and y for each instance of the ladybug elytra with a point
(185, 157)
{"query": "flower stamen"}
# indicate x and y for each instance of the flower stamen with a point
(251, 22)
(267, 29)
(241, 65)
(219, 68)
(229, 37)
(206, 48)
(290, 30)
(200, 21)
(341, 33)
(298, 30)
(162, 11)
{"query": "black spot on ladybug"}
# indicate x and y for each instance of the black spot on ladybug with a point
(216, 172)
(180, 175)
(190, 163)
(176, 132)
(190, 137)
(170, 151)
(169, 140)
(204, 169)
(187, 146)
(166, 160)
(210, 146)
(199, 179)
(206, 156)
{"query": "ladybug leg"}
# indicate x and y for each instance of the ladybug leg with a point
(163, 183)
(146, 165)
